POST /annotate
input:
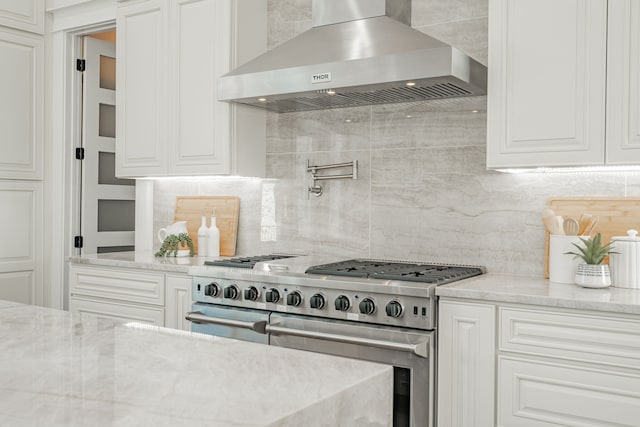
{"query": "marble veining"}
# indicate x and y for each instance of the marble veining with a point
(536, 291)
(63, 370)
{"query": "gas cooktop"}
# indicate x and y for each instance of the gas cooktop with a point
(246, 262)
(390, 270)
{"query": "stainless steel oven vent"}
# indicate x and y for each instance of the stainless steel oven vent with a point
(360, 52)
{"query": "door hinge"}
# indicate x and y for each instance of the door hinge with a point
(77, 242)
(81, 64)
(80, 153)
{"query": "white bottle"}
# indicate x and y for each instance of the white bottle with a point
(203, 237)
(213, 238)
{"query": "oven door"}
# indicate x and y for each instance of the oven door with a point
(229, 322)
(409, 351)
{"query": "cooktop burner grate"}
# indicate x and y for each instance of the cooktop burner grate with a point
(425, 273)
(245, 262)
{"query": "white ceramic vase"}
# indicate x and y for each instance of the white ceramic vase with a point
(593, 276)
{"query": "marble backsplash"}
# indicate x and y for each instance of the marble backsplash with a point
(423, 191)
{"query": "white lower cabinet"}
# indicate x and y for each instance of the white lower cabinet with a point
(466, 354)
(545, 366)
(138, 295)
(552, 393)
(178, 302)
(117, 310)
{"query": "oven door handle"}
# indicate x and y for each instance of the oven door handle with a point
(421, 349)
(197, 317)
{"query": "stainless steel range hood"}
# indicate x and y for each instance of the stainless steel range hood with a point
(358, 52)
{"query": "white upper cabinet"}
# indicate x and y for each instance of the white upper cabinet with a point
(21, 105)
(554, 84)
(142, 60)
(200, 46)
(623, 83)
(170, 55)
(27, 15)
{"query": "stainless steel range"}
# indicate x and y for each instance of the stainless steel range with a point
(382, 311)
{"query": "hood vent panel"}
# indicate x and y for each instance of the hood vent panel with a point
(365, 61)
(359, 98)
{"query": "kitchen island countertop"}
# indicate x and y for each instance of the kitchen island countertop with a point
(58, 369)
(539, 291)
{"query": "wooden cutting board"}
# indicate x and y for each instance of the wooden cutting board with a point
(617, 215)
(190, 209)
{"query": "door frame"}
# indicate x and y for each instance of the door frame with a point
(63, 117)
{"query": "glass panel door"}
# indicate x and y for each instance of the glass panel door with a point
(108, 203)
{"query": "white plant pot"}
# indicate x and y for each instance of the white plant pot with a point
(593, 276)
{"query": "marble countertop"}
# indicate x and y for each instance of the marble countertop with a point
(539, 291)
(141, 260)
(63, 370)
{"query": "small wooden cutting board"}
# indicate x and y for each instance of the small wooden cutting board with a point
(617, 215)
(191, 209)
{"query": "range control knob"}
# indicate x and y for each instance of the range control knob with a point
(251, 293)
(212, 289)
(231, 292)
(394, 309)
(367, 306)
(317, 301)
(342, 303)
(294, 299)
(272, 295)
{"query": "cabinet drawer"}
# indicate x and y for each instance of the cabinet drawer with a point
(123, 285)
(111, 310)
(533, 393)
(603, 340)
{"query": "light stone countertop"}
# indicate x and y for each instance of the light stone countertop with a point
(141, 260)
(63, 370)
(8, 304)
(539, 291)
(488, 287)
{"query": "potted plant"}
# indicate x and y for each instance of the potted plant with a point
(592, 274)
(176, 245)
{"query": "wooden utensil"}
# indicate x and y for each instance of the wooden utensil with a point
(559, 225)
(585, 219)
(591, 226)
(550, 221)
(570, 226)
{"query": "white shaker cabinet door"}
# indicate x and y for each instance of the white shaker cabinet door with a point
(547, 82)
(27, 15)
(536, 393)
(21, 227)
(178, 302)
(466, 367)
(21, 105)
(200, 44)
(623, 83)
(141, 135)
(117, 311)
